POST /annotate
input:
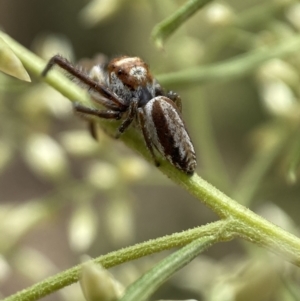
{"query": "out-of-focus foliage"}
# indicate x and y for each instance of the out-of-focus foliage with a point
(62, 194)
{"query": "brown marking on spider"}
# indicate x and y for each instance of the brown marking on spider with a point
(128, 91)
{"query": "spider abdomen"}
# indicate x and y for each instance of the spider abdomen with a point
(167, 132)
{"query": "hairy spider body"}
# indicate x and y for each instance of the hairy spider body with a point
(126, 88)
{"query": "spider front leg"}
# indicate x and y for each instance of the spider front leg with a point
(109, 114)
(131, 114)
(106, 114)
(103, 95)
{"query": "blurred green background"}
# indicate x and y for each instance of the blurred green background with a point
(63, 195)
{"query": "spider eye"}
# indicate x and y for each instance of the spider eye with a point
(120, 72)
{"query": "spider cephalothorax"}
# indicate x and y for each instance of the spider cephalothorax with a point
(126, 88)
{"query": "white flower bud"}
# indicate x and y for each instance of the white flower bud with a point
(219, 14)
(41, 268)
(43, 99)
(82, 227)
(277, 69)
(277, 97)
(5, 269)
(47, 45)
(11, 64)
(97, 284)
(103, 175)
(79, 143)
(120, 221)
(133, 168)
(18, 220)
(293, 14)
(97, 11)
(45, 157)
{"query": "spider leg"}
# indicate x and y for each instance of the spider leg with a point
(176, 99)
(115, 101)
(131, 114)
(92, 126)
(159, 91)
(147, 139)
(106, 114)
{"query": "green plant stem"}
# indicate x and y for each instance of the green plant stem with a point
(232, 68)
(145, 286)
(109, 260)
(164, 29)
(254, 15)
(246, 224)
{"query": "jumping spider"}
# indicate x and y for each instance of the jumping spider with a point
(126, 88)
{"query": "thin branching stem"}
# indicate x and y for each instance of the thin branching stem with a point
(167, 27)
(109, 260)
(232, 68)
(243, 222)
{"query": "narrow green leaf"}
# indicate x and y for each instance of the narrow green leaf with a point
(146, 285)
(11, 64)
(165, 28)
